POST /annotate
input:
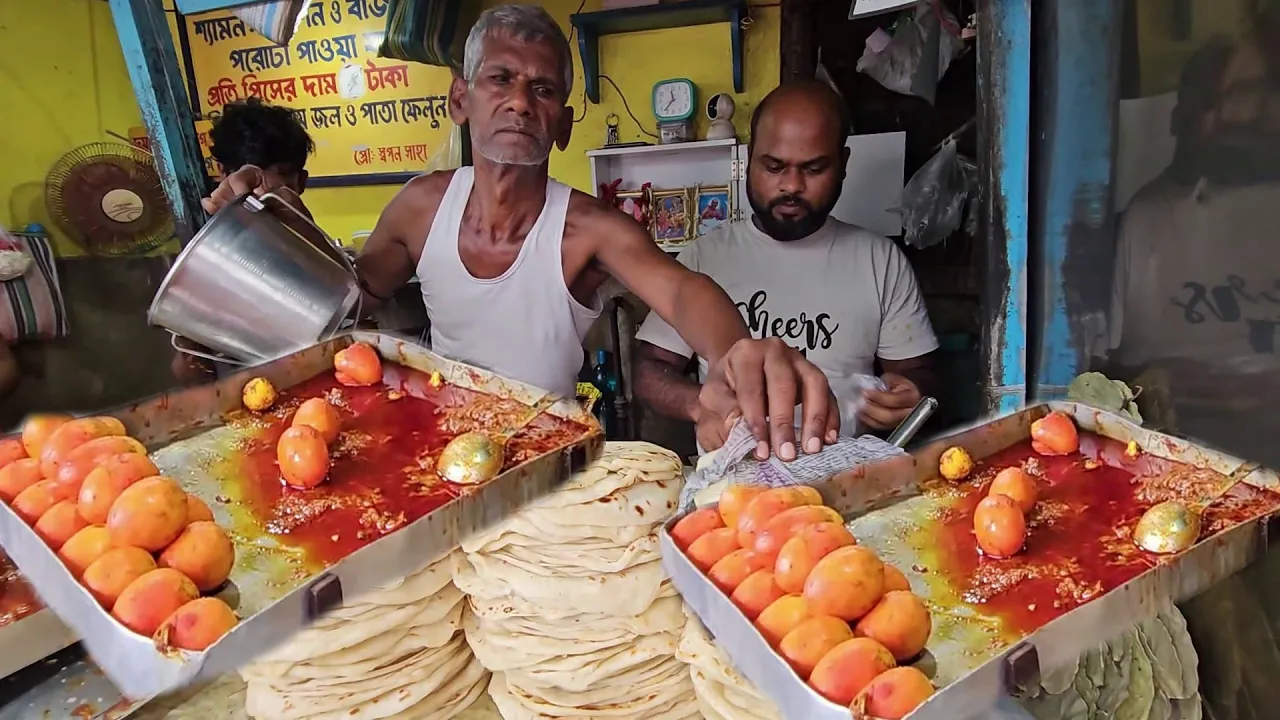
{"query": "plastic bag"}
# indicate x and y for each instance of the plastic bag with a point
(449, 155)
(14, 259)
(934, 199)
(918, 54)
(850, 390)
(735, 464)
(276, 20)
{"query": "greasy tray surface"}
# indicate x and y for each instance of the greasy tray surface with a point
(28, 632)
(1079, 538)
(17, 599)
(1078, 554)
(231, 467)
(382, 477)
(981, 609)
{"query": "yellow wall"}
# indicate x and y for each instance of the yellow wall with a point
(1162, 56)
(63, 83)
(635, 61)
(54, 102)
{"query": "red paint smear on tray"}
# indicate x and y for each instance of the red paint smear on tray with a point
(382, 471)
(1078, 542)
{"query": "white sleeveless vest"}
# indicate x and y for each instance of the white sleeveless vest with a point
(523, 324)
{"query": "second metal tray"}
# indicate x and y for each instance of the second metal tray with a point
(273, 595)
(975, 663)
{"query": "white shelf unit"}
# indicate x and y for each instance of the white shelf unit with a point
(679, 165)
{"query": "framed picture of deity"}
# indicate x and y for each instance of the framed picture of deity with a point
(671, 216)
(637, 204)
(711, 205)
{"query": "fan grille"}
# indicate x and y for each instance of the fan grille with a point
(108, 199)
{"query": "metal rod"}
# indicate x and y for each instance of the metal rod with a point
(908, 428)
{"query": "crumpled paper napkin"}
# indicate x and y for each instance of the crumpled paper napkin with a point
(735, 462)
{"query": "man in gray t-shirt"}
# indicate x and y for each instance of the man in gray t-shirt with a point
(843, 296)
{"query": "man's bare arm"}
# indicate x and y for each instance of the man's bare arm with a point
(661, 382)
(921, 370)
(697, 308)
(385, 263)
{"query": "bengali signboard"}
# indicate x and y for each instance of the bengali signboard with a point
(138, 136)
(366, 114)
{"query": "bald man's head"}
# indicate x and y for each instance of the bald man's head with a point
(805, 96)
(797, 158)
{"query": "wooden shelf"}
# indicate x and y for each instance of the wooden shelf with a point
(653, 150)
(593, 25)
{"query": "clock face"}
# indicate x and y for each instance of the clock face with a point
(673, 100)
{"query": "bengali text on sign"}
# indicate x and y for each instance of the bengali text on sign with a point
(366, 114)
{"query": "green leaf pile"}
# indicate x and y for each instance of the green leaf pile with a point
(1148, 673)
(1097, 390)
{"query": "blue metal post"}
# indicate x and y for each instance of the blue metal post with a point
(1004, 114)
(157, 81)
(1077, 51)
(191, 7)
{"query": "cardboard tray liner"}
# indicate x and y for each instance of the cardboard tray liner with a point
(274, 587)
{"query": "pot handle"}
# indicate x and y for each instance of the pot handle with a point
(279, 199)
(173, 340)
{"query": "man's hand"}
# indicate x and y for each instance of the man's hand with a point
(762, 380)
(886, 409)
(712, 430)
(249, 178)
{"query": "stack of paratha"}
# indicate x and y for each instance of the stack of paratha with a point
(569, 605)
(397, 652)
(722, 692)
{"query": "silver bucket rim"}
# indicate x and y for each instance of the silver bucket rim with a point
(308, 231)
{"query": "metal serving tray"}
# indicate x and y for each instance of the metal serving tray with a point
(274, 597)
(31, 639)
(974, 665)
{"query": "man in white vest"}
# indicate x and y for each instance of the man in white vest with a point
(511, 262)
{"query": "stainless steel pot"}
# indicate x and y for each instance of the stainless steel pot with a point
(258, 281)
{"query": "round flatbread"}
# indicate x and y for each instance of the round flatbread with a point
(644, 503)
(702, 654)
(412, 588)
(717, 700)
(453, 698)
(664, 615)
(515, 705)
(519, 530)
(623, 690)
(580, 562)
(368, 697)
(625, 593)
(580, 672)
(319, 640)
(511, 606)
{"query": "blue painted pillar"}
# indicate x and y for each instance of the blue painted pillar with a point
(157, 81)
(1004, 114)
(1077, 44)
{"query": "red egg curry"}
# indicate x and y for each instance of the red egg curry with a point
(382, 474)
(1078, 542)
